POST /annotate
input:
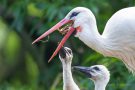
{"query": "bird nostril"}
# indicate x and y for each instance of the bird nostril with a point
(91, 71)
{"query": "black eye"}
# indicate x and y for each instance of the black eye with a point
(96, 68)
(74, 14)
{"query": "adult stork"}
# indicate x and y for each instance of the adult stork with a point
(98, 73)
(117, 40)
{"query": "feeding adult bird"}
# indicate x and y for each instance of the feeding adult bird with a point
(66, 56)
(117, 40)
(98, 73)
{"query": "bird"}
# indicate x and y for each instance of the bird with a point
(117, 39)
(99, 74)
(66, 55)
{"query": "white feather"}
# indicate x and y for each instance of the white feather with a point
(120, 30)
(118, 38)
(100, 77)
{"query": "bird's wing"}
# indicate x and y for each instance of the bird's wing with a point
(120, 31)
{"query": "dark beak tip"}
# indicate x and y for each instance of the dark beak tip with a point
(75, 68)
(82, 70)
(62, 52)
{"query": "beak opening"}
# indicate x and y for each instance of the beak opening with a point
(62, 52)
(57, 26)
(54, 28)
(71, 30)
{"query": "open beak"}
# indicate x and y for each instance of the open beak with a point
(62, 52)
(57, 26)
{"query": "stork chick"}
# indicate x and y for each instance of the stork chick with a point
(98, 73)
(66, 56)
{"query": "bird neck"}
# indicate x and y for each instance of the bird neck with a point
(68, 81)
(100, 85)
(92, 38)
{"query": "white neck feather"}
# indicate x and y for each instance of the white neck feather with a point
(112, 46)
(68, 81)
(100, 85)
(91, 37)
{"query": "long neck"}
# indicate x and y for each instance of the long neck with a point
(100, 86)
(68, 81)
(91, 37)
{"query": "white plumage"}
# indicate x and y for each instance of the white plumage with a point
(98, 73)
(118, 38)
(66, 56)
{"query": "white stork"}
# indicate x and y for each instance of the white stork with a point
(117, 40)
(66, 56)
(98, 73)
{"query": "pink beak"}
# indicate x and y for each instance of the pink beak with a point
(57, 26)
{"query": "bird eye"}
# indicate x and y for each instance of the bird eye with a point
(74, 14)
(96, 68)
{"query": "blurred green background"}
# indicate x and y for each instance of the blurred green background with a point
(24, 66)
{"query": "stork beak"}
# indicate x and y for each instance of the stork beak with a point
(54, 28)
(62, 42)
(84, 70)
(62, 52)
(57, 26)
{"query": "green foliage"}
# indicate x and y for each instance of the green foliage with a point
(12, 49)
(24, 66)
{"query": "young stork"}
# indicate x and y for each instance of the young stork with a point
(117, 40)
(66, 56)
(98, 73)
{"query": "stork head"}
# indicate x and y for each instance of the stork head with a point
(80, 16)
(65, 55)
(77, 18)
(98, 73)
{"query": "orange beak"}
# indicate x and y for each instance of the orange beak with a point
(57, 26)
